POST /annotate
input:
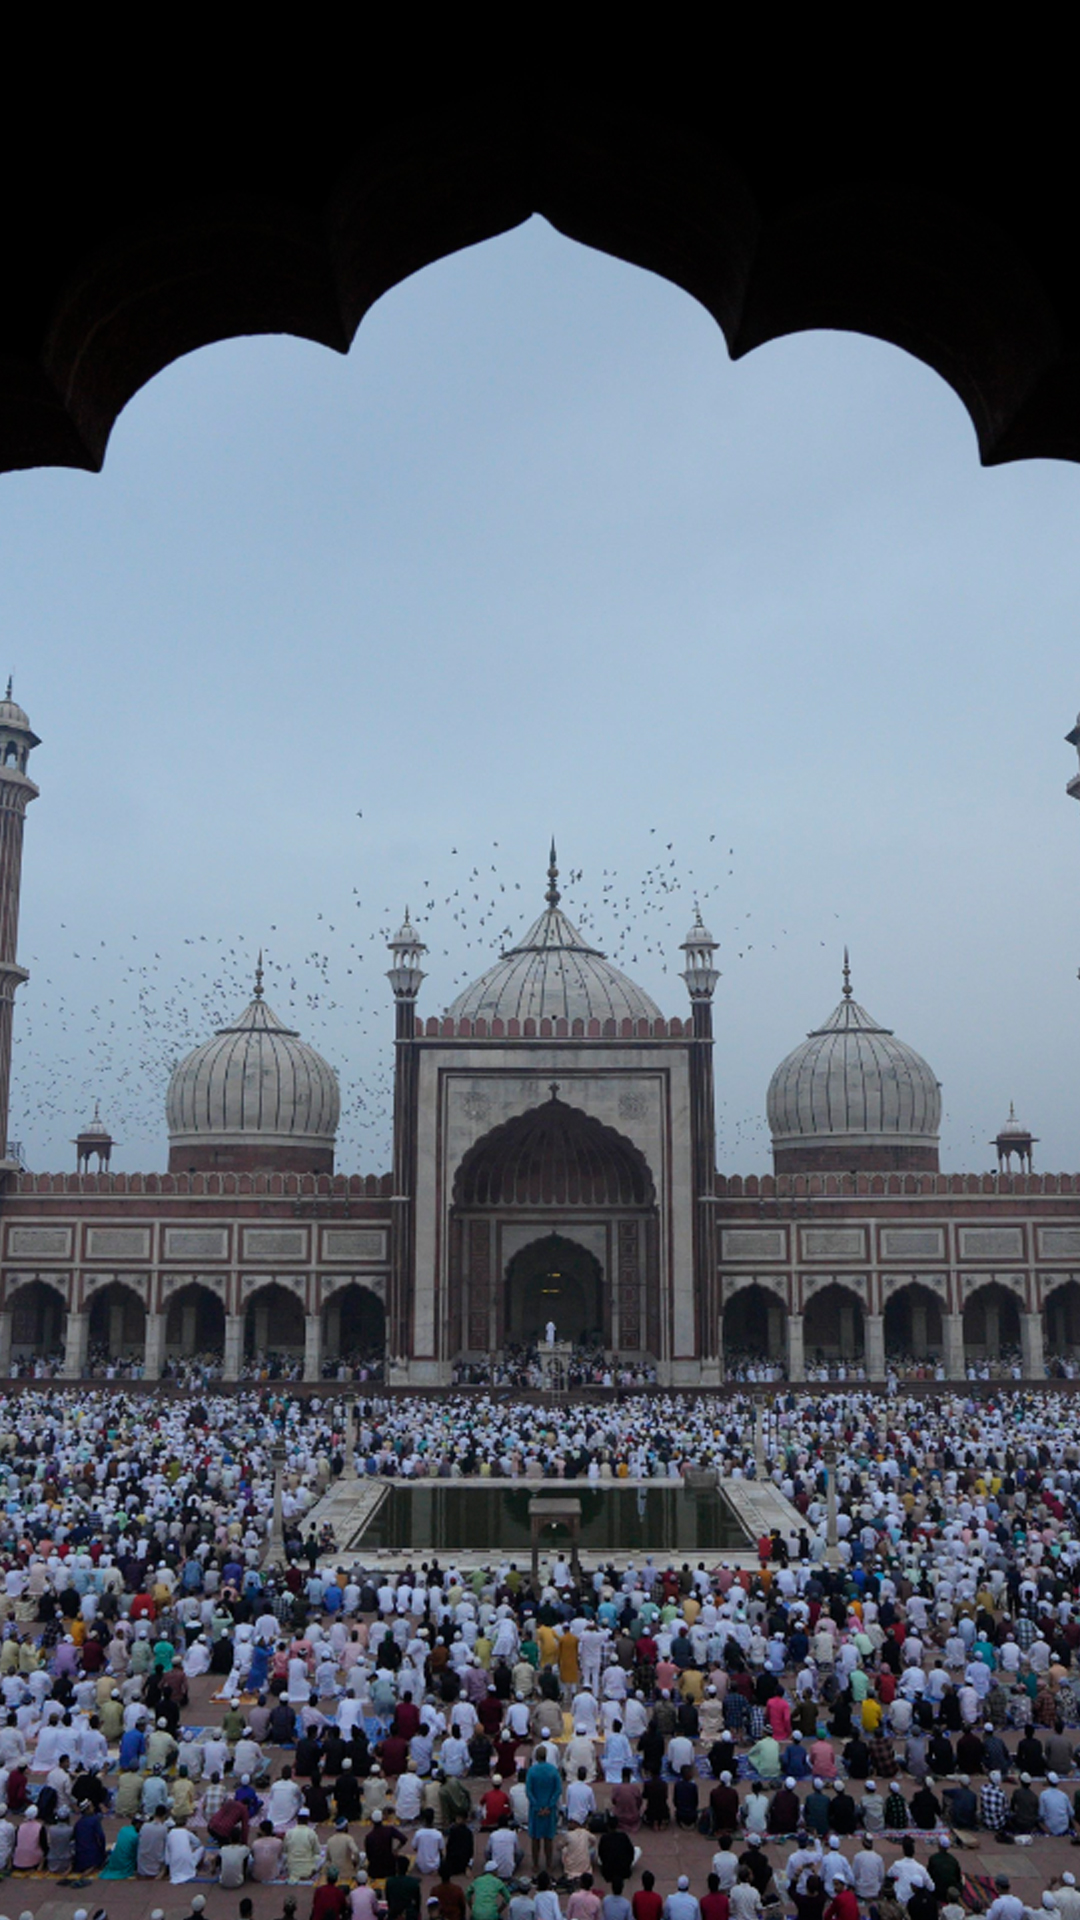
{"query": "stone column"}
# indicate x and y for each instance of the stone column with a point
(875, 1346)
(1031, 1346)
(234, 1346)
(312, 1346)
(5, 1342)
(796, 1352)
(75, 1344)
(952, 1327)
(155, 1346)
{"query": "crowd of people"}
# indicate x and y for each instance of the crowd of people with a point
(529, 1364)
(829, 1724)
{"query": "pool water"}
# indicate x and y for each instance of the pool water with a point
(440, 1515)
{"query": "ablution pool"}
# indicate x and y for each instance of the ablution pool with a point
(442, 1517)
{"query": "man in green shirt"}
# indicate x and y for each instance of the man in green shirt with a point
(488, 1896)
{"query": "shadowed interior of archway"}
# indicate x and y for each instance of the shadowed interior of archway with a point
(554, 1279)
(554, 1154)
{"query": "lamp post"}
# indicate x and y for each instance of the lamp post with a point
(276, 1546)
(759, 1436)
(832, 1547)
(349, 1469)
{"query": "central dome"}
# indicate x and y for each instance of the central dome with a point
(254, 1097)
(553, 974)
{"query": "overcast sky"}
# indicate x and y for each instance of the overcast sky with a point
(327, 635)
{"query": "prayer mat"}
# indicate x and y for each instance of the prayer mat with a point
(978, 1892)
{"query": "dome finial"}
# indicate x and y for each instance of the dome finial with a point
(553, 896)
(847, 976)
(10, 684)
(259, 977)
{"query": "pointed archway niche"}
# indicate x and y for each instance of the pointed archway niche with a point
(554, 1279)
(554, 1217)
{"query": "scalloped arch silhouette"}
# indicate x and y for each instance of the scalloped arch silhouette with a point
(772, 239)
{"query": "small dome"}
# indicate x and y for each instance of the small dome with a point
(254, 1095)
(699, 935)
(12, 715)
(852, 1095)
(407, 936)
(95, 1128)
(553, 974)
(15, 719)
(1014, 1128)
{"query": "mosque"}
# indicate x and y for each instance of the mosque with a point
(554, 1159)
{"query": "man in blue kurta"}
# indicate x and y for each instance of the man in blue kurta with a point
(543, 1789)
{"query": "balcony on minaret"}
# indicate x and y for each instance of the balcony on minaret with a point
(700, 972)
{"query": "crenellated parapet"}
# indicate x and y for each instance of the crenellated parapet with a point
(447, 1027)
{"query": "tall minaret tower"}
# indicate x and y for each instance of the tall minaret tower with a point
(16, 791)
(406, 978)
(701, 976)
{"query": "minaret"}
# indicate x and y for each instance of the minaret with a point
(701, 976)
(406, 978)
(17, 739)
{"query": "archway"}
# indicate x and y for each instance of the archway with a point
(273, 1323)
(38, 1322)
(754, 1329)
(833, 1325)
(195, 1322)
(354, 1327)
(992, 1324)
(543, 1170)
(554, 1279)
(913, 1328)
(1061, 1326)
(117, 1323)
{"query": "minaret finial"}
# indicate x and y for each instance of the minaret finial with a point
(847, 976)
(553, 896)
(259, 977)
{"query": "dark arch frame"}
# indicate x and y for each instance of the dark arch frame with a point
(210, 1311)
(586, 1287)
(836, 1293)
(778, 185)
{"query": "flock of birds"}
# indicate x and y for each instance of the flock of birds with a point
(110, 1022)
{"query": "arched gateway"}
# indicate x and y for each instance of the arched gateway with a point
(555, 1205)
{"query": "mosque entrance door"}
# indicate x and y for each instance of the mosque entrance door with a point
(554, 1279)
